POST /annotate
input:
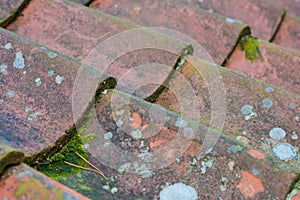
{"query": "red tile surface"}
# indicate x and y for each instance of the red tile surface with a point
(280, 66)
(230, 95)
(230, 174)
(8, 10)
(36, 94)
(289, 33)
(80, 32)
(211, 31)
(261, 15)
(292, 6)
(23, 182)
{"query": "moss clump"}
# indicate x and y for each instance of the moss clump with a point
(55, 166)
(250, 46)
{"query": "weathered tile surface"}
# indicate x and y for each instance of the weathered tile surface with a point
(289, 33)
(109, 44)
(9, 156)
(23, 182)
(231, 168)
(292, 6)
(8, 9)
(213, 32)
(279, 67)
(262, 16)
(253, 108)
(36, 94)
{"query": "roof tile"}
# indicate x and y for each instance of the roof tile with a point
(87, 35)
(216, 35)
(289, 33)
(278, 67)
(262, 16)
(8, 9)
(292, 6)
(23, 182)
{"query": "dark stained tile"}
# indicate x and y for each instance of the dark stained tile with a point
(278, 67)
(289, 33)
(261, 15)
(215, 33)
(23, 182)
(109, 44)
(36, 94)
(9, 157)
(8, 10)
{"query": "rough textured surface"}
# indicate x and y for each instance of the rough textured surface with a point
(292, 6)
(182, 18)
(289, 32)
(23, 182)
(266, 15)
(88, 35)
(9, 156)
(223, 172)
(35, 94)
(279, 67)
(253, 128)
(8, 9)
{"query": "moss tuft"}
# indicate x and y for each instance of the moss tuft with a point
(250, 46)
(55, 166)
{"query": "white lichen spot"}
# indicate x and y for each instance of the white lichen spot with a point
(137, 134)
(19, 61)
(44, 48)
(10, 94)
(1, 101)
(269, 89)
(267, 103)
(246, 109)
(205, 165)
(104, 91)
(38, 82)
(119, 123)
(50, 73)
(26, 109)
(285, 151)
(178, 191)
(108, 136)
(8, 46)
(277, 133)
(252, 115)
(114, 190)
(33, 117)
(180, 123)
(297, 118)
(223, 188)
(231, 165)
(3, 69)
(231, 21)
(294, 136)
(106, 187)
(52, 55)
(188, 133)
(120, 112)
(59, 79)
(293, 106)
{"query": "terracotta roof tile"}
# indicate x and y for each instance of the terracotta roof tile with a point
(278, 67)
(82, 35)
(23, 182)
(292, 6)
(8, 10)
(182, 18)
(231, 164)
(262, 16)
(289, 33)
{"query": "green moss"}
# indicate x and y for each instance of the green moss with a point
(56, 168)
(251, 47)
